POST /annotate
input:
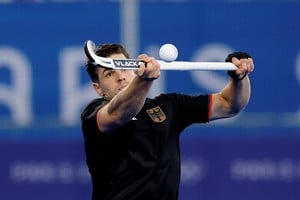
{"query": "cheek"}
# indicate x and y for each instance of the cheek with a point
(104, 88)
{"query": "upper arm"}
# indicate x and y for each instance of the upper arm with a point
(219, 108)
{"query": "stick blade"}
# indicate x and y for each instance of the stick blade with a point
(89, 50)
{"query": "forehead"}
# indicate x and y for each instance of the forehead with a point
(117, 55)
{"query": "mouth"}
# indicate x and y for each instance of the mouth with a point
(122, 87)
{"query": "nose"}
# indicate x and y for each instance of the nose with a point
(120, 75)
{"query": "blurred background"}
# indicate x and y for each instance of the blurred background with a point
(44, 87)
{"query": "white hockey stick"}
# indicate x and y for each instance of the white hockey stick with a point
(133, 64)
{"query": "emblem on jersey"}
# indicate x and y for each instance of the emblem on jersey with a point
(156, 114)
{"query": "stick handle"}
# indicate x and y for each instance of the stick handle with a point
(183, 65)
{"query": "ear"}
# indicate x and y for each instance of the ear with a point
(98, 89)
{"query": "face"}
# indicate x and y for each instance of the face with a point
(111, 82)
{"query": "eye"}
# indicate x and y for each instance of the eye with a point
(108, 74)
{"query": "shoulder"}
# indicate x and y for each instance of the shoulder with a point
(185, 103)
(167, 97)
(178, 98)
(180, 102)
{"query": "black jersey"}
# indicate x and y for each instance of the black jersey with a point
(141, 160)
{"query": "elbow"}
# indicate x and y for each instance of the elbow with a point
(238, 107)
(235, 111)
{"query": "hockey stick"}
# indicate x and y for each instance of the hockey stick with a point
(133, 64)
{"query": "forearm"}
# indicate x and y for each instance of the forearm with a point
(236, 95)
(127, 103)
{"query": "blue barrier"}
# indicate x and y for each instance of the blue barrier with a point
(211, 169)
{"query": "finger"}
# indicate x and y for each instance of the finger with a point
(247, 65)
(144, 57)
(244, 65)
(236, 61)
(251, 65)
(238, 64)
(141, 70)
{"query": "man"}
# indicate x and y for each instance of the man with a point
(131, 141)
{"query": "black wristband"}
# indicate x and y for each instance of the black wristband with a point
(234, 76)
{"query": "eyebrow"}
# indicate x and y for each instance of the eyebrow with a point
(105, 70)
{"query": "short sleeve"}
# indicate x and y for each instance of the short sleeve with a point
(88, 118)
(190, 108)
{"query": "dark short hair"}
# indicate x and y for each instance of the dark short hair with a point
(104, 50)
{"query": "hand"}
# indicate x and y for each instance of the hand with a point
(150, 69)
(244, 66)
(243, 62)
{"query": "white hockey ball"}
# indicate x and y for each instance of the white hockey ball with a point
(168, 52)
